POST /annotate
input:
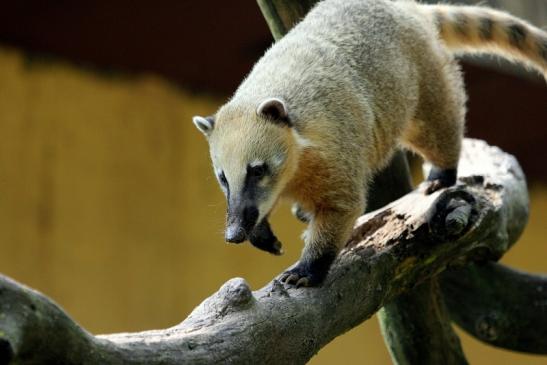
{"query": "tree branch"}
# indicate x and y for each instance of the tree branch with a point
(282, 15)
(391, 251)
(498, 305)
(417, 328)
(415, 325)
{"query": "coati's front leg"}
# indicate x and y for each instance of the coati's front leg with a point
(264, 239)
(327, 233)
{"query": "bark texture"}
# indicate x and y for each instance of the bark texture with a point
(498, 305)
(392, 250)
(417, 328)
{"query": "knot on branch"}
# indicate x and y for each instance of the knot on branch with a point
(452, 214)
(235, 293)
(458, 218)
(487, 327)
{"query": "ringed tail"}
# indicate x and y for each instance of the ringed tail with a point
(476, 29)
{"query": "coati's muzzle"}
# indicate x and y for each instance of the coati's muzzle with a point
(240, 221)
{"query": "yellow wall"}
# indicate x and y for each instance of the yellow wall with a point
(108, 206)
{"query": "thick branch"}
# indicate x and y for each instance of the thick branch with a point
(498, 305)
(415, 325)
(417, 328)
(392, 250)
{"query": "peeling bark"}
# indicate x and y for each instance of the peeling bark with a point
(392, 250)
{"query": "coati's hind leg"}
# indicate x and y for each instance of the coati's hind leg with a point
(436, 132)
(439, 142)
(264, 239)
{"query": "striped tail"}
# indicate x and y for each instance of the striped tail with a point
(476, 29)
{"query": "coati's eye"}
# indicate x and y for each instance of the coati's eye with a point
(222, 179)
(257, 171)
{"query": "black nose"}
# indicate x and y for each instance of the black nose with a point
(235, 233)
(240, 223)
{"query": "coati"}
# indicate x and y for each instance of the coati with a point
(327, 105)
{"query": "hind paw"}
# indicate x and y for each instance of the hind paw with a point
(439, 179)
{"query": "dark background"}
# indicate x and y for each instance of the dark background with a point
(209, 47)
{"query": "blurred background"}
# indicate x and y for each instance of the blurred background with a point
(107, 200)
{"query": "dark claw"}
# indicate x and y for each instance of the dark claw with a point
(292, 279)
(310, 271)
(298, 277)
(284, 276)
(302, 282)
(307, 274)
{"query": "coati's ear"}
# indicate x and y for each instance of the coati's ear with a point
(205, 125)
(274, 109)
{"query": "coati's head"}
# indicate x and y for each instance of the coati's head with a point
(254, 154)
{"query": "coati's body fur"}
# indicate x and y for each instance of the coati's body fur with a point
(327, 105)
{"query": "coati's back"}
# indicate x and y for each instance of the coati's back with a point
(345, 51)
(354, 60)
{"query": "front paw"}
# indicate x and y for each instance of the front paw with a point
(264, 239)
(270, 245)
(303, 275)
(275, 248)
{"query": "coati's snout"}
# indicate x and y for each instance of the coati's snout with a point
(254, 154)
(245, 197)
(240, 221)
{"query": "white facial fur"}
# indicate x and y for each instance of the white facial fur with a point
(236, 145)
